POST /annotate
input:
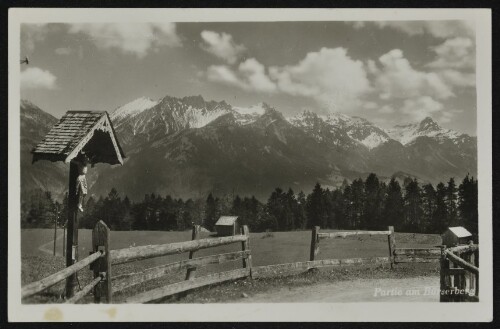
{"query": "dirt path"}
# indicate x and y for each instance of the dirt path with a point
(419, 289)
(48, 247)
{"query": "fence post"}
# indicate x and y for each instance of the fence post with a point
(245, 246)
(444, 280)
(391, 241)
(102, 266)
(314, 242)
(476, 263)
(64, 240)
(457, 280)
(190, 274)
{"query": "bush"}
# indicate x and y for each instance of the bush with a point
(268, 234)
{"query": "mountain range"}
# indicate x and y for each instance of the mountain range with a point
(188, 147)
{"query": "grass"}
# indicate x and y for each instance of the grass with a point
(281, 247)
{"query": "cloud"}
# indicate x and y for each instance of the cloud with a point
(255, 74)
(329, 76)
(446, 117)
(224, 74)
(250, 76)
(132, 38)
(221, 45)
(397, 79)
(386, 109)
(369, 105)
(438, 29)
(457, 53)
(31, 34)
(457, 78)
(421, 107)
(36, 78)
(63, 51)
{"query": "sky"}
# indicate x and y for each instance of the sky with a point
(389, 72)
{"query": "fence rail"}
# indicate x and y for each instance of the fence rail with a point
(45, 283)
(348, 233)
(128, 280)
(459, 274)
(464, 249)
(459, 261)
(79, 295)
(263, 271)
(126, 255)
(317, 236)
(175, 288)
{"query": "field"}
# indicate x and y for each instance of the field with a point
(281, 247)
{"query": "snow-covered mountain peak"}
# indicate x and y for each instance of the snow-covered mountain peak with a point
(247, 115)
(337, 118)
(408, 133)
(342, 126)
(133, 108)
(429, 125)
(258, 109)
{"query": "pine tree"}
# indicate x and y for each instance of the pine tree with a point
(428, 207)
(278, 207)
(329, 206)
(316, 212)
(440, 218)
(413, 207)
(300, 211)
(291, 205)
(451, 202)
(372, 202)
(337, 209)
(468, 203)
(357, 203)
(348, 210)
(393, 211)
(210, 212)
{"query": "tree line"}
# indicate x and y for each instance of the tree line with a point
(362, 204)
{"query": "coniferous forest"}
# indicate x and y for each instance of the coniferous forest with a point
(362, 204)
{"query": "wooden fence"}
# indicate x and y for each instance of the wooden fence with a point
(317, 236)
(459, 280)
(396, 255)
(99, 263)
(102, 259)
(190, 265)
(459, 265)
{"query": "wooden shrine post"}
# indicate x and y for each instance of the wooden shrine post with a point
(78, 138)
(72, 235)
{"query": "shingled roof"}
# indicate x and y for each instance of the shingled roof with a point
(226, 220)
(89, 132)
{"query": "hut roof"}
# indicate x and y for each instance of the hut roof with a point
(226, 220)
(89, 132)
(460, 231)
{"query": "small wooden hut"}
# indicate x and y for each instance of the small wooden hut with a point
(227, 225)
(455, 236)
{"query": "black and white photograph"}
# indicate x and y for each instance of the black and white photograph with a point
(226, 159)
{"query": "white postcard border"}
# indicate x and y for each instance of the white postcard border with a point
(383, 311)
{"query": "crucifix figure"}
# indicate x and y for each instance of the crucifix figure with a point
(81, 183)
